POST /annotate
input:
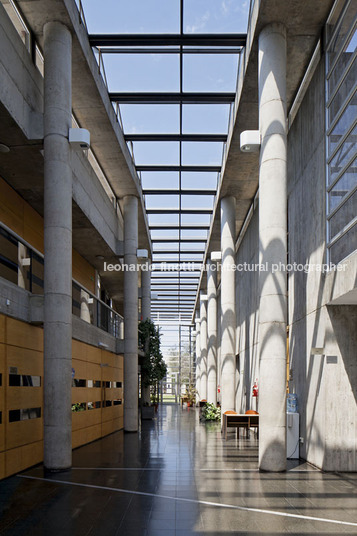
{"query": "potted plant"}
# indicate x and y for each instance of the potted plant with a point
(191, 393)
(153, 368)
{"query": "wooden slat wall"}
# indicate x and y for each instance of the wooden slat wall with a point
(21, 346)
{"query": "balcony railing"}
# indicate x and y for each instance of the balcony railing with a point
(24, 266)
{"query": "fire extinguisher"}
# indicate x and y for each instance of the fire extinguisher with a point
(255, 388)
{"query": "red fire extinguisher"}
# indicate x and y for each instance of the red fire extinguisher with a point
(218, 389)
(255, 388)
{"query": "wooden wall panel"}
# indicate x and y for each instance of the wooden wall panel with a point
(21, 442)
(23, 457)
(24, 335)
(2, 398)
(83, 272)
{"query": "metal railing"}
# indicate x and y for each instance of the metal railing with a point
(23, 265)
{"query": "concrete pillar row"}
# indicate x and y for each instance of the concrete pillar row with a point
(58, 248)
(272, 247)
(203, 336)
(198, 357)
(131, 310)
(228, 310)
(212, 332)
(145, 314)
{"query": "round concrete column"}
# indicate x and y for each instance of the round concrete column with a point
(198, 358)
(212, 332)
(228, 311)
(85, 312)
(131, 393)
(145, 314)
(58, 248)
(203, 337)
(272, 248)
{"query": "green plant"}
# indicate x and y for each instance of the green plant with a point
(153, 368)
(78, 407)
(210, 412)
(191, 393)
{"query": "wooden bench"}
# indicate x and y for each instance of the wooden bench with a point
(239, 420)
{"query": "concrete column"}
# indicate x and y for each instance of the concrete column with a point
(272, 247)
(145, 314)
(58, 248)
(212, 332)
(228, 311)
(198, 357)
(203, 337)
(85, 312)
(130, 315)
(22, 269)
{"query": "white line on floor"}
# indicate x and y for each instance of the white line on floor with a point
(174, 471)
(192, 501)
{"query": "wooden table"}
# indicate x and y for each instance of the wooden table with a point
(239, 420)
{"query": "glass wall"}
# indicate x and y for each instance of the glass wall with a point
(341, 128)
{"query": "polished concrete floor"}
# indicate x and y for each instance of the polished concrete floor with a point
(176, 477)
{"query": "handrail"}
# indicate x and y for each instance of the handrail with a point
(32, 249)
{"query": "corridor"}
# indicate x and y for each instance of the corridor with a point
(176, 477)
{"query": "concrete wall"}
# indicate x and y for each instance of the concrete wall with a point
(247, 301)
(325, 384)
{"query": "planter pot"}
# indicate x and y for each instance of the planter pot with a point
(147, 412)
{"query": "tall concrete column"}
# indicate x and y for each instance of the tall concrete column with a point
(198, 358)
(212, 332)
(145, 314)
(58, 248)
(228, 310)
(272, 247)
(131, 393)
(203, 337)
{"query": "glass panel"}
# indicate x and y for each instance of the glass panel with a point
(344, 27)
(198, 181)
(202, 153)
(201, 16)
(205, 118)
(156, 153)
(344, 185)
(196, 218)
(16, 415)
(210, 72)
(196, 201)
(136, 16)
(8, 257)
(149, 72)
(343, 216)
(344, 90)
(163, 219)
(164, 234)
(344, 246)
(150, 118)
(94, 405)
(160, 180)
(343, 124)
(162, 201)
(37, 273)
(343, 155)
(24, 380)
